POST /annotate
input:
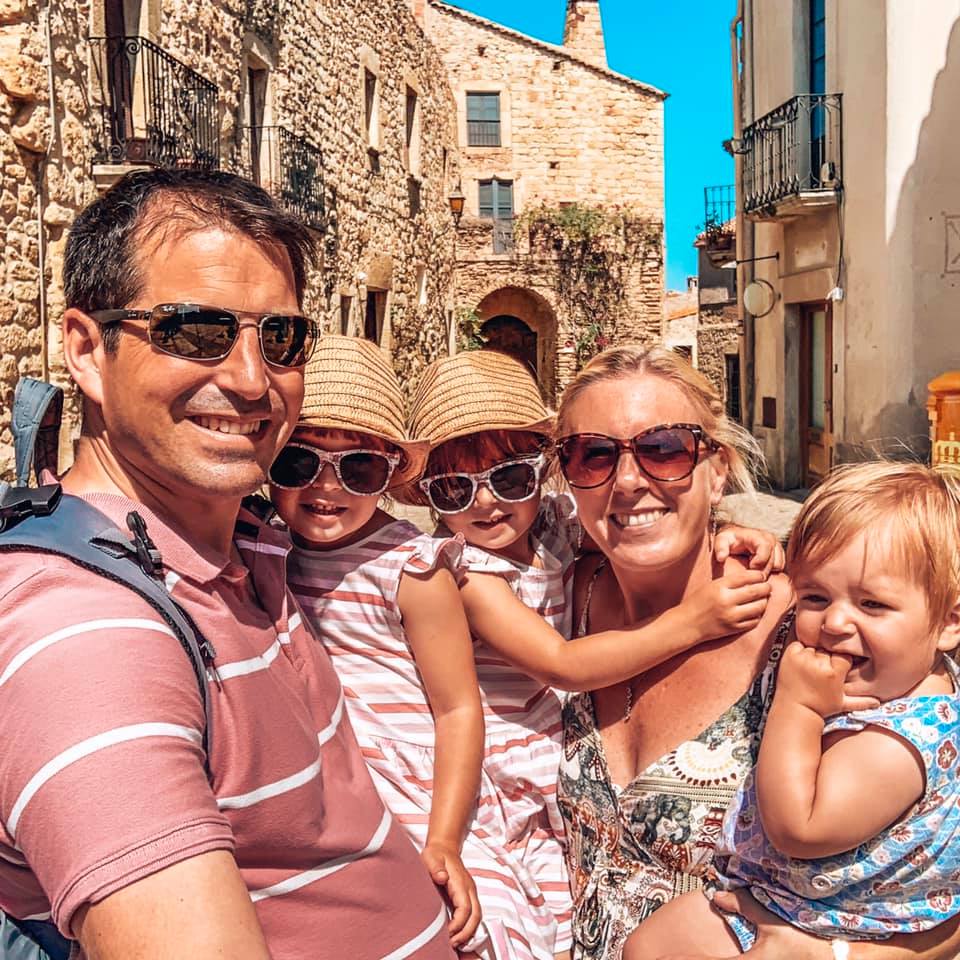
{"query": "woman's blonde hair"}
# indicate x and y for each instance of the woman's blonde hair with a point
(743, 454)
(908, 510)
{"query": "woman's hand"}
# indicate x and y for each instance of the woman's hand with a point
(447, 871)
(763, 548)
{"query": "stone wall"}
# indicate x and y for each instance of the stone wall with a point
(374, 239)
(571, 131)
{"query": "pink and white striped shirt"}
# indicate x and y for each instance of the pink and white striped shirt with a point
(101, 773)
(511, 849)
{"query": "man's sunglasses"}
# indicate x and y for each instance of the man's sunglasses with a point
(666, 452)
(361, 472)
(196, 332)
(512, 481)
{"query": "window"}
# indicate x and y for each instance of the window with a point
(483, 119)
(371, 103)
(818, 46)
(818, 86)
(373, 314)
(411, 141)
(732, 362)
(254, 107)
(685, 351)
(346, 304)
(496, 199)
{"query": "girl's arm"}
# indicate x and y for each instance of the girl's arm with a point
(777, 939)
(817, 802)
(436, 627)
(731, 604)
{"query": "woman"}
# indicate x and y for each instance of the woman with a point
(650, 766)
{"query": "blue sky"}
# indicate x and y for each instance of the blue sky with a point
(682, 47)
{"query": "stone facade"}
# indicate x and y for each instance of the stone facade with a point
(353, 81)
(719, 330)
(568, 131)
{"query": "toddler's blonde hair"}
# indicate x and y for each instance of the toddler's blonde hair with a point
(908, 510)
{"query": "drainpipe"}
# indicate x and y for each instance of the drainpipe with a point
(41, 178)
(745, 228)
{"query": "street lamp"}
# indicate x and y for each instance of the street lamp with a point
(456, 201)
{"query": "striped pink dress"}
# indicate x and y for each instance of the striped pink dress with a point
(522, 716)
(350, 597)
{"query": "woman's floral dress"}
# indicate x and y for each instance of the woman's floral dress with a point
(631, 849)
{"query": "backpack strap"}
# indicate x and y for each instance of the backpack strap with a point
(37, 412)
(32, 940)
(79, 532)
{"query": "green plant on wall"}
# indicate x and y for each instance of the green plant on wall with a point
(596, 249)
(468, 330)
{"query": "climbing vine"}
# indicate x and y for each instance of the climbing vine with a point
(468, 330)
(597, 249)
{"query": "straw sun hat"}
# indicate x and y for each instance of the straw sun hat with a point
(474, 391)
(349, 384)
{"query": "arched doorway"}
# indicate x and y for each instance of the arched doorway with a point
(520, 321)
(511, 335)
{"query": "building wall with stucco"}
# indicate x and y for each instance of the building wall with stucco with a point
(882, 257)
(378, 192)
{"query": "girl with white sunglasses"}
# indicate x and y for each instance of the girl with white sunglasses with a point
(382, 598)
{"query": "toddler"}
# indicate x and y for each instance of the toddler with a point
(490, 438)
(382, 598)
(849, 826)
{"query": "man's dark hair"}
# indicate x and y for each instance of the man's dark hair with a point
(102, 266)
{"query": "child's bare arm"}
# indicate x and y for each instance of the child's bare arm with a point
(731, 604)
(437, 629)
(818, 798)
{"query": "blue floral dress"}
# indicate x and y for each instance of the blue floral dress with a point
(904, 880)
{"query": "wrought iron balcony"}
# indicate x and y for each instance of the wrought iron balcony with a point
(288, 167)
(793, 157)
(153, 108)
(262, 18)
(719, 207)
(503, 241)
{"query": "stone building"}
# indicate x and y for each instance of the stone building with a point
(342, 110)
(848, 197)
(718, 314)
(560, 249)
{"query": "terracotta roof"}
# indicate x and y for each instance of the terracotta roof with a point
(727, 229)
(552, 48)
(677, 304)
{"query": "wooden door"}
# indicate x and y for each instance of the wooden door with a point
(816, 391)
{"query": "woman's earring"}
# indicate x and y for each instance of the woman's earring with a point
(714, 525)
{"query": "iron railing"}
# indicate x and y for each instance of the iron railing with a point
(288, 167)
(262, 18)
(794, 149)
(153, 108)
(483, 133)
(503, 241)
(719, 206)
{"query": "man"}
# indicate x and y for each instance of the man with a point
(110, 824)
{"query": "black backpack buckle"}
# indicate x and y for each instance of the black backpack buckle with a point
(19, 503)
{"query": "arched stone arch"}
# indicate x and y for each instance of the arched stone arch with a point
(534, 311)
